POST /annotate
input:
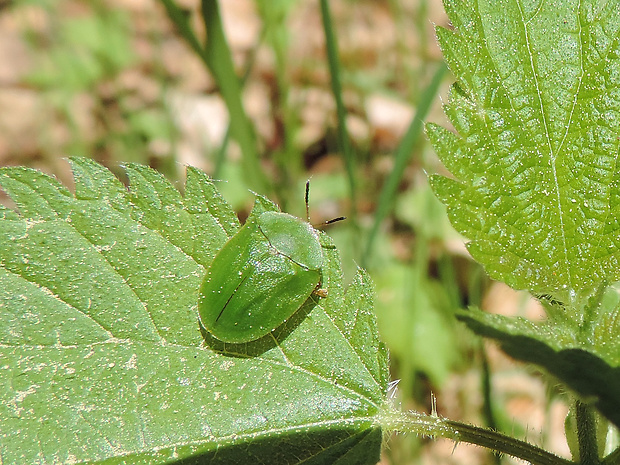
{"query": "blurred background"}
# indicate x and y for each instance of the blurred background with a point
(131, 80)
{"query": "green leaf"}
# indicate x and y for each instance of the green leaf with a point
(536, 179)
(536, 107)
(596, 378)
(102, 355)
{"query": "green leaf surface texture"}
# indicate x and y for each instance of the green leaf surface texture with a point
(102, 358)
(535, 175)
(537, 111)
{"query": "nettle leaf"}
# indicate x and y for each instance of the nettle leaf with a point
(102, 356)
(595, 377)
(535, 163)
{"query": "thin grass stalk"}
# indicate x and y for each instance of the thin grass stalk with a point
(402, 156)
(217, 57)
(343, 135)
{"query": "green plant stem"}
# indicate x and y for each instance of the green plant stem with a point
(435, 426)
(220, 158)
(334, 69)
(218, 58)
(487, 409)
(286, 156)
(586, 434)
(402, 156)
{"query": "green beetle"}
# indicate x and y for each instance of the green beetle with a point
(261, 277)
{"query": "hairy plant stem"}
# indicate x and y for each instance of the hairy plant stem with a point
(586, 434)
(435, 426)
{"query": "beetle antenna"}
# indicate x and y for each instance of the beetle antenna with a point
(307, 200)
(335, 220)
(328, 222)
